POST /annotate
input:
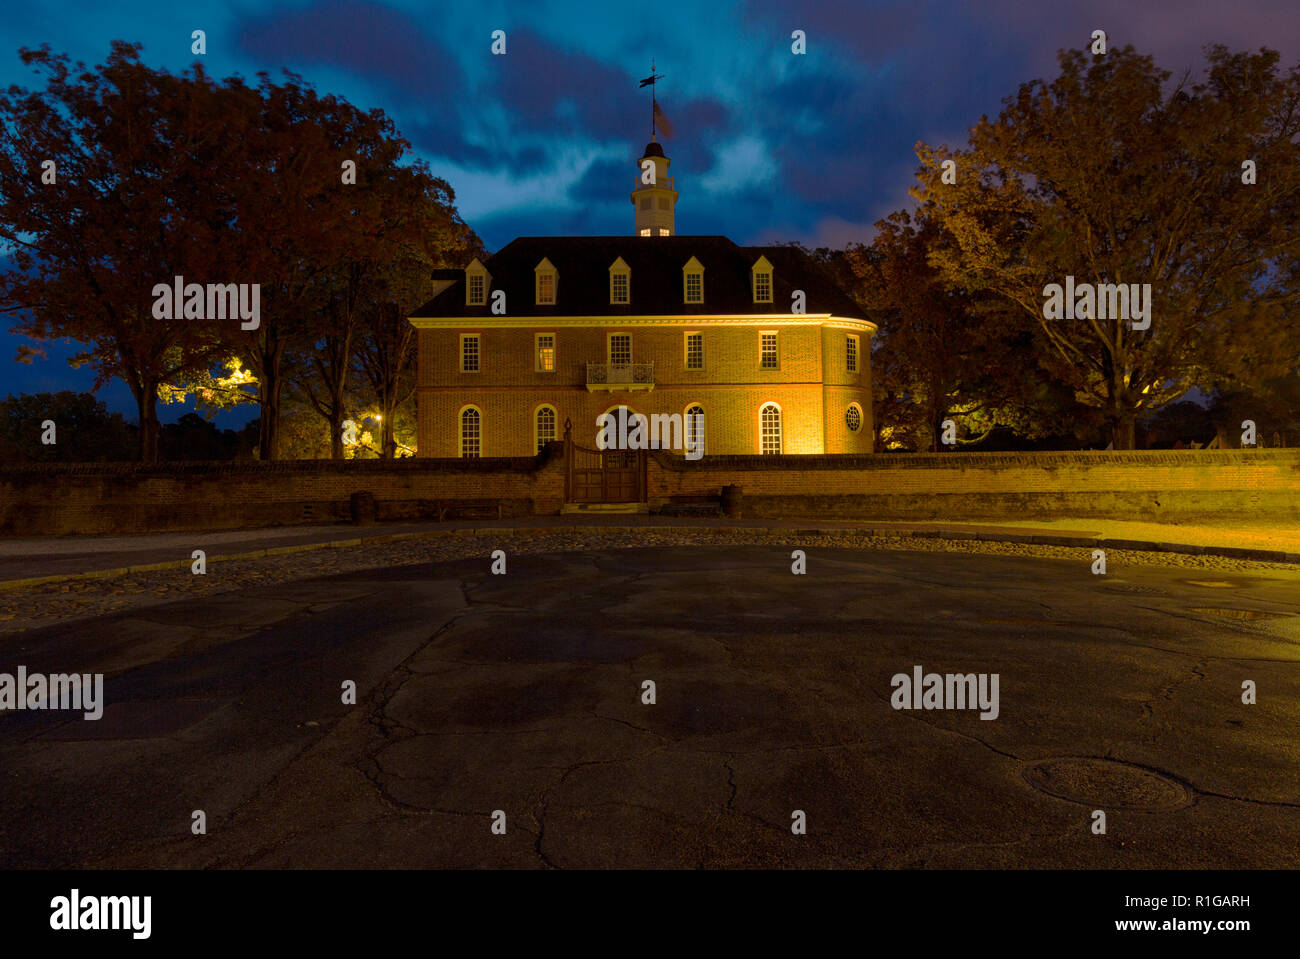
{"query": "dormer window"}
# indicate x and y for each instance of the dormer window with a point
(476, 283)
(547, 281)
(761, 273)
(620, 282)
(693, 281)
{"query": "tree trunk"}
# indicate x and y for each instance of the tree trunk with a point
(146, 404)
(270, 387)
(336, 432)
(1123, 431)
(388, 429)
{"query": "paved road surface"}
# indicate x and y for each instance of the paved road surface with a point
(522, 693)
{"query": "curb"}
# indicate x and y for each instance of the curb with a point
(1029, 539)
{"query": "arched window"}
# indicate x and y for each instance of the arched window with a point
(545, 426)
(695, 435)
(471, 433)
(769, 429)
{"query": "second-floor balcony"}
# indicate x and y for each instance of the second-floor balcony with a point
(620, 376)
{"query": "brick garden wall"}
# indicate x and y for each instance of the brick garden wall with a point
(1186, 485)
(1142, 485)
(121, 498)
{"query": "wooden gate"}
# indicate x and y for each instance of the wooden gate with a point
(603, 476)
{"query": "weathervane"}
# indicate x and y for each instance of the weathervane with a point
(656, 115)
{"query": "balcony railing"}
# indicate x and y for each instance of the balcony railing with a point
(620, 376)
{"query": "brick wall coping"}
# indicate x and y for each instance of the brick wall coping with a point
(955, 460)
(670, 461)
(511, 464)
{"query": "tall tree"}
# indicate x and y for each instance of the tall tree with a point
(1110, 175)
(423, 232)
(320, 373)
(104, 193)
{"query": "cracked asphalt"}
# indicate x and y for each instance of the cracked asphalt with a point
(523, 693)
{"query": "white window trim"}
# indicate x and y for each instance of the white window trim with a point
(686, 352)
(780, 424)
(460, 430)
(620, 268)
(546, 268)
(862, 420)
(478, 269)
(463, 338)
(857, 353)
(686, 419)
(537, 433)
(762, 266)
(609, 345)
(537, 353)
(761, 367)
(693, 267)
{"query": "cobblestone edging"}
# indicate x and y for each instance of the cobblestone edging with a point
(31, 604)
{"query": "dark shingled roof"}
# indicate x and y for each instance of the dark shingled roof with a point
(656, 262)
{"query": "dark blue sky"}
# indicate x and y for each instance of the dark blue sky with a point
(769, 146)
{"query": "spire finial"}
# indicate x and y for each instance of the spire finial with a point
(654, 105)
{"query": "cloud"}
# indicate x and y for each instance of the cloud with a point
(384, 46)
(554, 90)
(743, 163)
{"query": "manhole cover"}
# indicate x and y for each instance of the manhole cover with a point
(1225, 613)
(1106, 784)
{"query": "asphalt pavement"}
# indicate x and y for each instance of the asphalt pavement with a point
(520, 700)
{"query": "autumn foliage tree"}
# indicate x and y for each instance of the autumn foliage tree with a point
(105, 192)
(944, 352)
(1112, 175)
(300, 194)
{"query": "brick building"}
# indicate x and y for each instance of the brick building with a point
(757, 342)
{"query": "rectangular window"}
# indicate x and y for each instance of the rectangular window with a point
(645, 231)
(767, 350)
(663, 231)
(694, 287)
(851, 354)
(620, 349)
(762, 287)
(546, 288)
(618, 292)
(469, 352)
(695, 351)
(646, 201)
(546, 352)
(477, 288)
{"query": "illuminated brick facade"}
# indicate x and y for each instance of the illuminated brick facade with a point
(582, 325)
